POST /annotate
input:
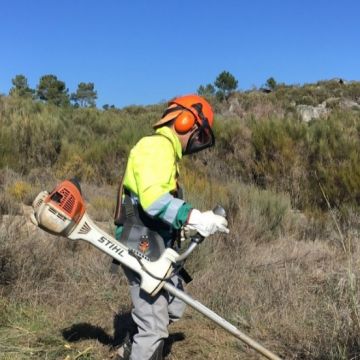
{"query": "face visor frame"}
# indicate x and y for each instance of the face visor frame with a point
(203, 137)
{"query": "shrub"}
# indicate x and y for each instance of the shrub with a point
(264, 143)
(278, 156)
(261, 215)
(334, 160)
(30, 139)
(19, 190)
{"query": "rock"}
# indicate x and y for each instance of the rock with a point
(235, 107)
(309, 113)
(342, 103)
(349, 104)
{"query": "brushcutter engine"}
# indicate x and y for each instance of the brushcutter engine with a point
(59, 212)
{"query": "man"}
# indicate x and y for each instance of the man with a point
(150, 185)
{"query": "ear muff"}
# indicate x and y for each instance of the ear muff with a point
(184, 122)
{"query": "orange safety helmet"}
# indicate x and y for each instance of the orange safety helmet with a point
(188, 111)
(192, 108)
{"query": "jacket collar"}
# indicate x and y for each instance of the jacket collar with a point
(167, 132)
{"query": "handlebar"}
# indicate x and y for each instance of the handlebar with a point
(198, 238)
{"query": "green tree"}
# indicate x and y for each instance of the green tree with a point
(108, 107)
(85, 95)
(207, 90)
(21, 87)
(52, 90)
(271, 83)
(226, 84)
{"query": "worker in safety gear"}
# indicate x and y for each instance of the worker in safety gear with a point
(150, 182)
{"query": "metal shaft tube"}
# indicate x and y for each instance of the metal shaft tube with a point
(220, 321)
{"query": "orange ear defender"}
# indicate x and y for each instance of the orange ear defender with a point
(184, 122)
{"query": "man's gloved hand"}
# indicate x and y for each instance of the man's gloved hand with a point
(207, 223)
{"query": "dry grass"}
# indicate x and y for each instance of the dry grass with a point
(55, 286)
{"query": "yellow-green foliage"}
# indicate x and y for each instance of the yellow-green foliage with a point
(31, 134)
(290, 156)
(38, 135)
(202, 191)
(262, 143)
(76, 166)
(262, 213)
(279, 160)
(334, 159)
(20, 190)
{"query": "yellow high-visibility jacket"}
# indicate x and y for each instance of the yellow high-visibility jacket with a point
(151, 176)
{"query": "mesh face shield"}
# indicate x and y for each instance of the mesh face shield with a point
(202, 138)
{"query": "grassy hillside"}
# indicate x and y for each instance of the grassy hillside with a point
(287, 274)
(261, 137)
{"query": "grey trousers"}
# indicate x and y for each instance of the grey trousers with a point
(152, 316)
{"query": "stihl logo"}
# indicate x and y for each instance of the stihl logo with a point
(57, 214)
(111, 245)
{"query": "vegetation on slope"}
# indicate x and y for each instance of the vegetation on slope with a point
(286, 275)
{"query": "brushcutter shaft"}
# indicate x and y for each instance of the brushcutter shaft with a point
(219, 320)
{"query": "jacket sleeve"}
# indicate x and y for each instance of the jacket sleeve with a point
(154, 168)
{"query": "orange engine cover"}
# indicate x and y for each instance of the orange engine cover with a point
(67, 198)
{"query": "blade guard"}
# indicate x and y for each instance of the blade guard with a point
(61, 210)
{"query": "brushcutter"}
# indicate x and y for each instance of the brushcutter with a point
(62, 212)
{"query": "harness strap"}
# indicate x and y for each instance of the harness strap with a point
(118, 216)
(128, 206)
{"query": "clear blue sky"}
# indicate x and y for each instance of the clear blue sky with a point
(146, 51)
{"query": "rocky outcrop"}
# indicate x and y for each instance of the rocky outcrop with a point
(308, 112)
(349, 104)
(235, 107)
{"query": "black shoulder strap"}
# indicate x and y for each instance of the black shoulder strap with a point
(119, 216)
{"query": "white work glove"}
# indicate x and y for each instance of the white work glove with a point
(207, 223)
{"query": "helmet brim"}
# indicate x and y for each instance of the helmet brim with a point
(167, 118)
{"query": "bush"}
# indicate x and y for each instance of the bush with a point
(30, 138)
(19, 189)
(334, 160)
(261, 215)
(262, 143)
(278, 156)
